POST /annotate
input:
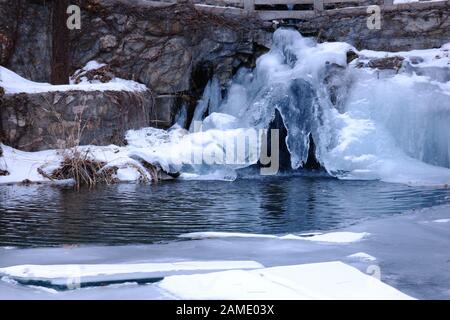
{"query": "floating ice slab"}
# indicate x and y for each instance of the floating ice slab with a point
(329, 280)
(339, 237)
(335, 237)
(442, 220)
(362, 256)
(67, 271)
(67, 277)
(211, 235)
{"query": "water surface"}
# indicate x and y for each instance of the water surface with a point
(44, 215)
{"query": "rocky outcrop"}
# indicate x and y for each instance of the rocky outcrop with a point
(8, 32)
(173, 49)
(403, 28)
(25, 38)
(54, 120)
(394, 63)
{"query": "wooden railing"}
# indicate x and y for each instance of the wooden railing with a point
(250, 5)
(263, 10)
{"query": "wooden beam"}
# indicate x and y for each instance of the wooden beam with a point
(276, 15)
(318, 5)
(274, 2)
(249, 5)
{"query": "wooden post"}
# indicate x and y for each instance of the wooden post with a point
(318, 5)
(249, 5)
(60, 43)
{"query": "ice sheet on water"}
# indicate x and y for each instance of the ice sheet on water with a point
(330, 280)
(91, 270)
(334, 237)
(394, 241)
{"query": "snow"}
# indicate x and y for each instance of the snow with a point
(128, 174)
(421, 58)
(24, 165)
(328, 280)
(93, 65)
(13, 83)
(335, 237)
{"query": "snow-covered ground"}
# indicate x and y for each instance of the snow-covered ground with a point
(407, 252)
(13, 83)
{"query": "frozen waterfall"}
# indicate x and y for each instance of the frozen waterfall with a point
(366, 123)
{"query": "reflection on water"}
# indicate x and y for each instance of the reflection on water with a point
(129, 213)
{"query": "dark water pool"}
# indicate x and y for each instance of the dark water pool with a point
(131, 214)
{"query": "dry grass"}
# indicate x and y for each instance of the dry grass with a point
(80, 167)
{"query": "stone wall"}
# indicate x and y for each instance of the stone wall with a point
(403, 28)
(53, 120)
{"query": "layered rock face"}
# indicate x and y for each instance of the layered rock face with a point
(55, 120)
(405, 28)
(25, 38)
(174, 49)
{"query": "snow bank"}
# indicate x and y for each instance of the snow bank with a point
(335, 237)
(13, 83)
(329, 280)
(24, 165)
(202, 155)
